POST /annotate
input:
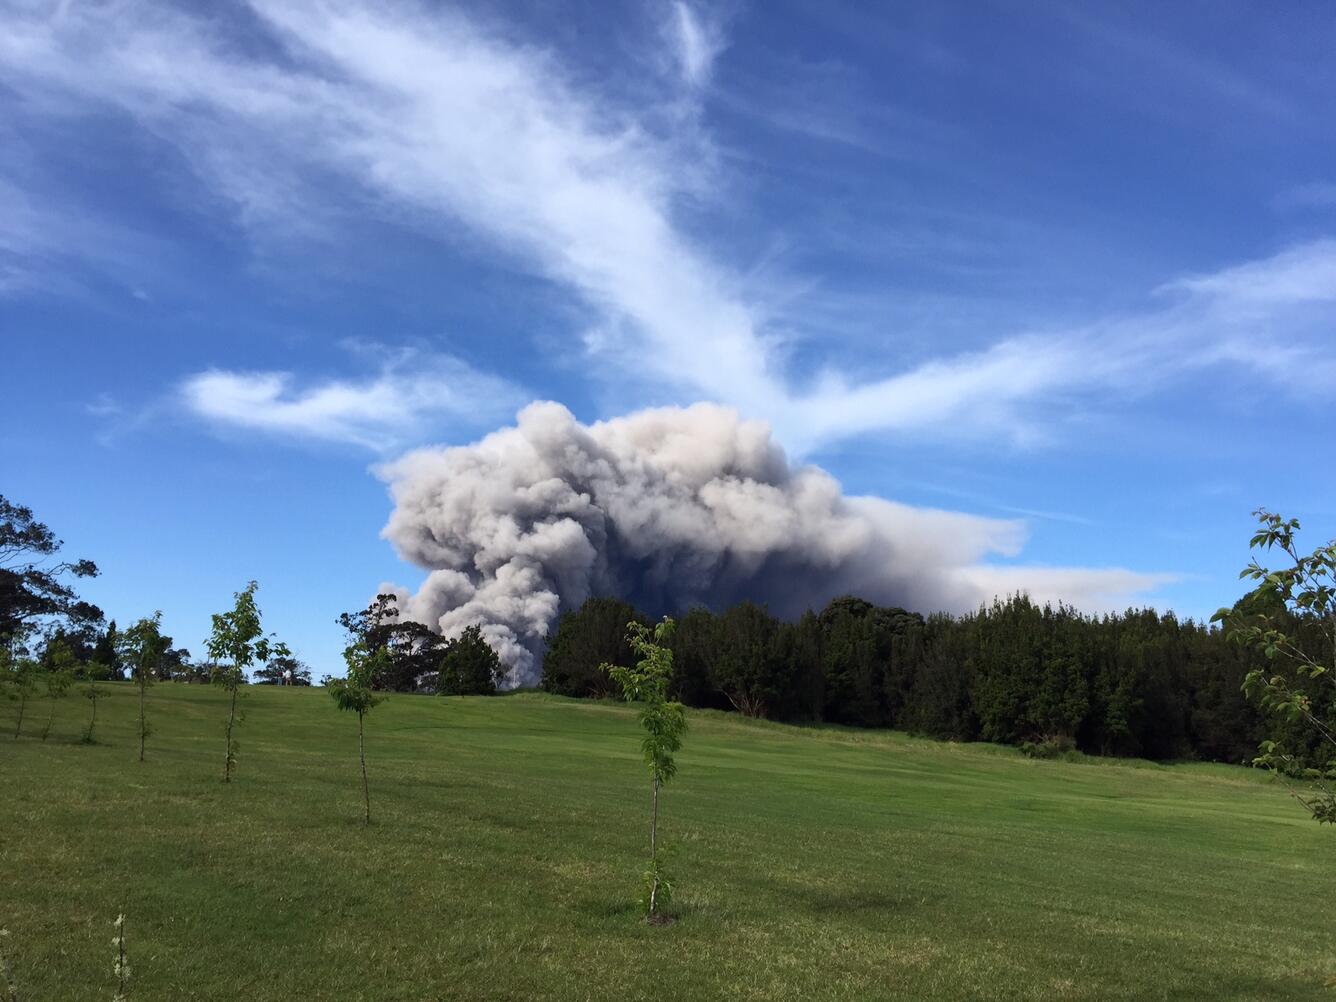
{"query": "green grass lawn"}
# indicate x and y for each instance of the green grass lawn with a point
(509, 833)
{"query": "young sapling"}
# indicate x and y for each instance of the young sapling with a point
(355, 693)
(23, 678)
(121, 965)
(142, 647)
(664, 721)
(58, 681)
(238, 641)
(92, 692)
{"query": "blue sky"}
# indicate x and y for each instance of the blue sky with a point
(1070, 265)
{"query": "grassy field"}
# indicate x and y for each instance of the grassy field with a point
(509, 833)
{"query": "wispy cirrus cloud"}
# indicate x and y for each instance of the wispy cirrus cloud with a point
(431, 117)
(1176, 68)
(410, 397)
(698, 40)
(1300, 275)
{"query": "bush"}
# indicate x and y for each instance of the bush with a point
(1049, 746)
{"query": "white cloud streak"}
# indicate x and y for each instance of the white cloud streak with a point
(440, 121)
(381, 413)
(699, 43)
(1298, 276)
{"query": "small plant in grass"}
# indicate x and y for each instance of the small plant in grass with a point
(21, 674)
(7, 969)
(664, 721)
(238, 641)
(365, 666)
(142, 647)
(1049, 746)
(121, 965)
(91, 692)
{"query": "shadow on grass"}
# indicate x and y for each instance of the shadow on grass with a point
(630, 912)
(861, 901)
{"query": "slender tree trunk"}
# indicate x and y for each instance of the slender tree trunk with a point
(23, 702)
(92, 721)
(141, 715)
(366, 790)
(122, 969)
(654, 849)
(231, 717)
(654, 819)
(50, 718)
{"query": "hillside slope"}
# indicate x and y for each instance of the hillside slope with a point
(509, 834)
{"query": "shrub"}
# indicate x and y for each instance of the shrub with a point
(1049, 746)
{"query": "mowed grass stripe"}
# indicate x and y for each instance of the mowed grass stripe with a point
(509, 833)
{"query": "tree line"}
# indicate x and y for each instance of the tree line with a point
(1048, 678)
(47, 629)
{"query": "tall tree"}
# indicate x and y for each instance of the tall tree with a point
(174, 665)
(694, 664)
(284, 670)
(238, 640)
(744, 667)
(413, 652)
(356, 693)
(938, 701)
(142, 647)
(373, 625)
(34, 583)
(585, 638)
(106, 652)
(665, 722)
(469, 667)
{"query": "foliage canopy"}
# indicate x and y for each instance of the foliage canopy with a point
(1290, 616)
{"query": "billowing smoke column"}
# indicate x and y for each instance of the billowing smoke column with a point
(666, 508)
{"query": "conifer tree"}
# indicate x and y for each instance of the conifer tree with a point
(469, 667)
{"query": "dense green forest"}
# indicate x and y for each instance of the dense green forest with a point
(1135, 683)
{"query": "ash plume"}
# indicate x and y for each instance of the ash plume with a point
(669, 508)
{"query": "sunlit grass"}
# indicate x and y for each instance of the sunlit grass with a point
(508, 837)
